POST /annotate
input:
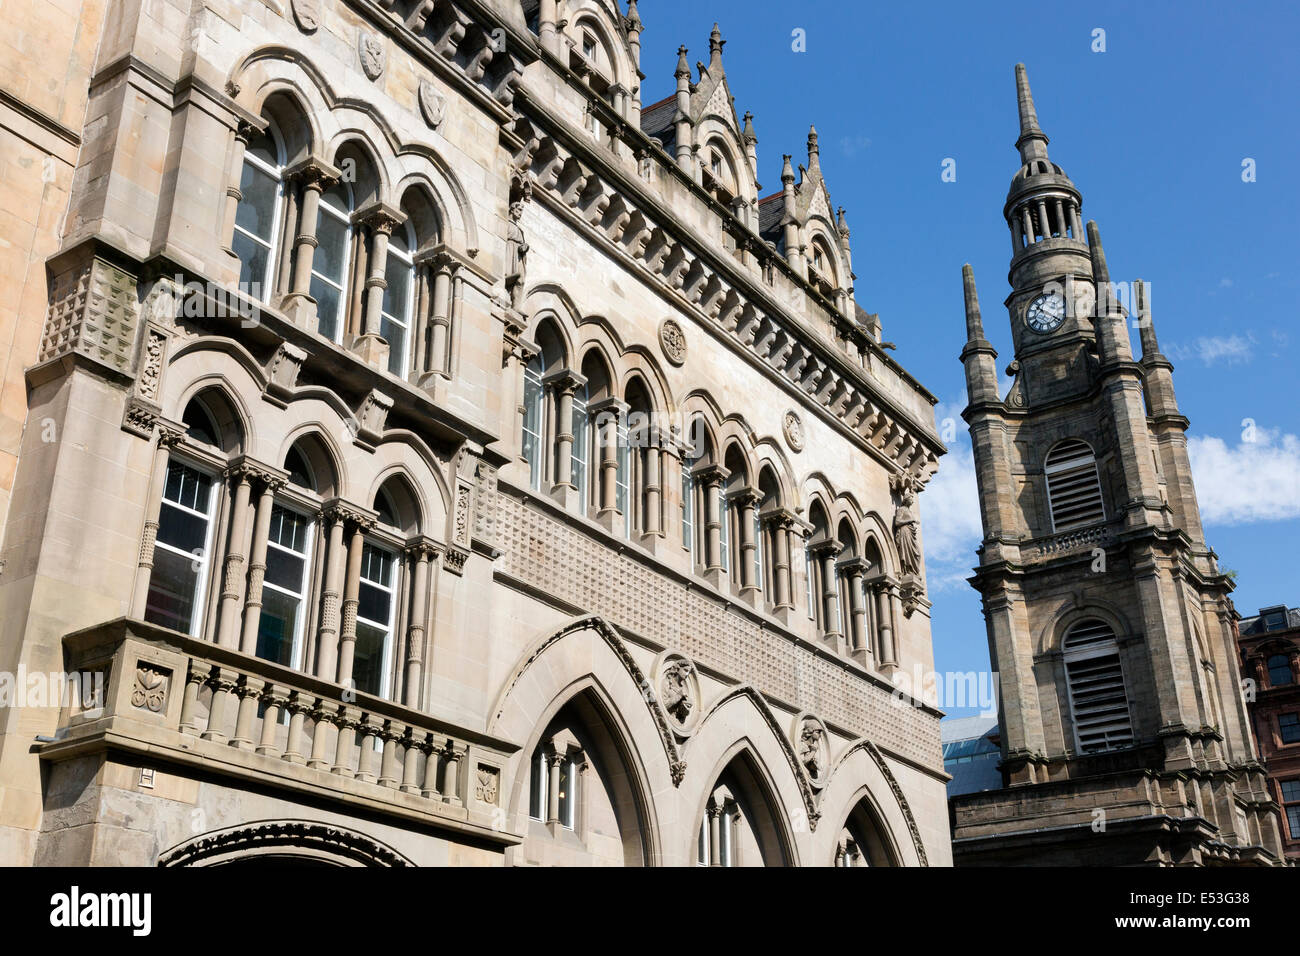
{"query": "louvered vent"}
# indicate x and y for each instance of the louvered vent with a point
(1073, 488)
(1096, 686)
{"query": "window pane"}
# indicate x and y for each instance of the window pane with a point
(327, 307)
(368, 659)
(1290, 790)
(398, 294)
(253, 259)
(256, 210)
(537, 788)
(332, 243)
(182, 530)
(395, 336)
(1279, 670)
(278, 626)
(532, 437)
(1293, 821)
(568, 797)
(172, 590)
(375, 603)
(1289, 724)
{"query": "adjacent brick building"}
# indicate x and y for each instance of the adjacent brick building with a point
(1270, 661)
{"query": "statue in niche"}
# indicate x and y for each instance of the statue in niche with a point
(677, 689)
(811, 737)
(516, 241)
(905, 529)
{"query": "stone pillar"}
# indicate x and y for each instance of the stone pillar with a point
(855, 571)
(168, 437)
(257, 564)
(443, 268)
(381, 220)
(314, 177)
(546, 27)
(715, 834)
(351, 598)
(608, 413)
(240, 477)
(244, 131)
(826, 552)
(556, 759)
(327, 644)
(653, 522)
(711, 479)
(424, 552)
(563, 383)
(451, 777)
(1027, 223)
(780, 525)
(1044, 224)
(747, 504)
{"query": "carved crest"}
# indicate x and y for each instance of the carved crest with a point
(370, 49)
(793, 428)
(432, 106)
(307, 13)
(673, 340)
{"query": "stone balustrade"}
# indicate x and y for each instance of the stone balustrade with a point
(179, 698)
(1068, 541)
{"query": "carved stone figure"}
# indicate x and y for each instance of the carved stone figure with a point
(811, 747)
(677, 689)
(518, 255)
(905, 530)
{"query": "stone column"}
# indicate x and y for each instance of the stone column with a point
(608, 413)
(351, 598)
(715, 834)
(244, 131)
(443, 268)
(451, 776)
(168, 437)
(555, 759)
(314, 177)
(825, 553)
(257, 563)
(654, 488)
(711, 479)
(747, 504)
(1044, 223)
(885, 627)
(563, 383)
(423, 552)
(855, 571)
(780, 525)
(240, 476)
(381, 220)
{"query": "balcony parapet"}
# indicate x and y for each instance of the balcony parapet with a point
(195, 704)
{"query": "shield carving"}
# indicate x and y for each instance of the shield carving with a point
(307, 13)
(432, 106)
(371, 51)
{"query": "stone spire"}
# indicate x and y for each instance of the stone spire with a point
(749, 135)
(1112, 336)
(814, 150)
(1033, 141)
(979, 357)
(683, 68)
(716, 43)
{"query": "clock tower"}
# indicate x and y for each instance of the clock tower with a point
(1124, 734)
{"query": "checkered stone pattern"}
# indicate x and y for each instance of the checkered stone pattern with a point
(562, 561)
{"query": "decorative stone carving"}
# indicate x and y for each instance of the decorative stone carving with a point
(906, 540)
(460, 522)
(92, 312)
(373, 416)
(313, 839)
(675, 689)
(792, 426)
(486, 784)
(485, 501)
(370, 49)
(149, 692)
(812, 747)
(151, 361)
(521, 190)
(307, 13)
(432, 106)
(673, 341)
(454, 559)
(282, 370)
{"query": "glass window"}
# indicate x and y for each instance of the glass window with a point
(534, 396)
(181, 550)
(724, 532)
(370, 670)
(621, 476)
(578, 458)
(1291, 804)
(568, 791)
(538, 786)
(330, 261)
(758, 551)
(1289, 726)
(726, 851)
(1279, 670)
(688, 509)
(284, 593)
(257, 216)
(809, 585)
(395, 324)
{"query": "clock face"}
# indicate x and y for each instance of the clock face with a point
(1046, 313)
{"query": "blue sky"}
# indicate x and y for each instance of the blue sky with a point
(1153, 131)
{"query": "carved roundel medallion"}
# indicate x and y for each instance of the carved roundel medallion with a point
(432, 106)
(673, 341)
(307, 13)
(792, 425)
(677, 687)
(370, 49)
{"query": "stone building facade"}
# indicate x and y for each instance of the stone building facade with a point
(1270, 662)
(434, 455)
(1124, 737)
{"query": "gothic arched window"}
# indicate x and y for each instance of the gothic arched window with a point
(1073, 486)
(1095, 683)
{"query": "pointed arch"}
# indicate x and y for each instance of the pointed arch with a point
(297, 841)
(311, 451)
(741, 773)
(844, 791)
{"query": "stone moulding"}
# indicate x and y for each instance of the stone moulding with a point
(320, 841)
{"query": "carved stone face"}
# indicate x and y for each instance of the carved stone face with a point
(811, 747)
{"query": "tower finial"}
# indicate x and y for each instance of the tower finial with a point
(1033, 141)
(633, 18)
(716, 43)
(1146, 328)
(974, 324)
(683, 68)
(1100, 272)
(814, 151)
(787, 170)
(749, 135)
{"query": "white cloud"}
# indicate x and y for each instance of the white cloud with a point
(950, 520)
(1253, 481)
(1225, 283)
(1232, 349)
